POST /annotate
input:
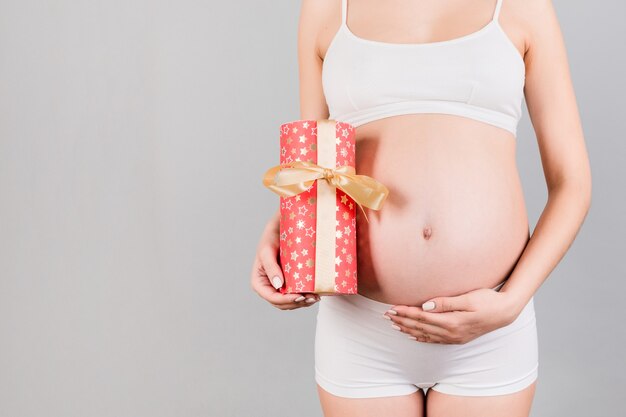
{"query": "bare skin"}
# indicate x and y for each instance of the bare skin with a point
(431, 404)
(455, 222)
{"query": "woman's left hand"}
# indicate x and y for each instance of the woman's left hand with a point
(455, 320)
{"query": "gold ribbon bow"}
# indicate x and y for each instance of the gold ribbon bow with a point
(295, 177)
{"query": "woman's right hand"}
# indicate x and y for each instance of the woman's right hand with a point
(267, 275)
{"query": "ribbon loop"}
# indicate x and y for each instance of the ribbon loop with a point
(295, 177)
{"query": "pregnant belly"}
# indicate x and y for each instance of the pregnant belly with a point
(455, 218)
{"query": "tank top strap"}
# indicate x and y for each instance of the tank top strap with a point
(496, 13)
(344, 11)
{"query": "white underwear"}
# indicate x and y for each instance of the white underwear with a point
(358, 354)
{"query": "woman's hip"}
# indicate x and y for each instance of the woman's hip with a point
(355, 347)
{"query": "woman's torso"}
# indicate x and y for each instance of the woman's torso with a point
(455, 219)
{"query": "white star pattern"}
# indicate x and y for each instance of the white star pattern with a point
(298, 139)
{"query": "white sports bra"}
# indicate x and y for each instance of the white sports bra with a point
(480, 76)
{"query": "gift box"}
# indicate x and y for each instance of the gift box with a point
(319, 194)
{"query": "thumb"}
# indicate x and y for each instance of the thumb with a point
(272, 268)
(275, 276)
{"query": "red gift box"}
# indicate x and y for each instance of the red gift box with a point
(319, 193)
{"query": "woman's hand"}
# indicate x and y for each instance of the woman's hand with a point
(266, 265)
(455, 320)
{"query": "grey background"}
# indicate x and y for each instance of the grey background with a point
(133, 137)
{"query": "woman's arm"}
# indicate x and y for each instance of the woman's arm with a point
(314, 17)
(552, 107)
(266, 275)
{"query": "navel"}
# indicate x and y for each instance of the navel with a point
(427, 232)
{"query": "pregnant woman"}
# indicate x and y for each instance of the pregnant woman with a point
(447, 270)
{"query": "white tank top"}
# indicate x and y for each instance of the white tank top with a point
(480, 76)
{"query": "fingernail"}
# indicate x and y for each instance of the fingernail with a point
(277, 282)
(394, 312)
(428, 306)
(311, 300)
(412, 337)
(299, 298)
(395, 327)
(386, 317)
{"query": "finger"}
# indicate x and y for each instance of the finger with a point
(262, 286)
(435, 335)
(269, 261)
(445, 304)
(273, 274)
(286, 301)
(425, 337)
(446, 321)
(311, 299)
(271, 294)
(428, 339)
(307, 301)
(418, 328)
